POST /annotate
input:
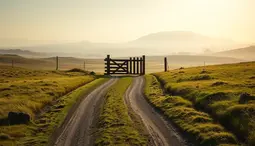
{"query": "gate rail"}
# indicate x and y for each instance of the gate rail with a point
(133, 65)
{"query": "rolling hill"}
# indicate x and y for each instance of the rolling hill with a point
(246, 53)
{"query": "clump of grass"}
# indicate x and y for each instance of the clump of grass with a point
(218, 83)
(245, 98)
(200, 77)
(4, 136)
(204, 72)
(211, 98)
(198, 126)
(76, 70)
(115, 125)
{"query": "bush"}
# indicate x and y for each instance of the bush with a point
(92, 73)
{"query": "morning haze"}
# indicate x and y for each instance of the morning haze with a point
(93, 29)
(121, 21)
(127, 72)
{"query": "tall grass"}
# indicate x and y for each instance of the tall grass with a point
(29, 91)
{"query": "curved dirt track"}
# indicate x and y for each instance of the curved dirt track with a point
(77, 131)
(161, 132)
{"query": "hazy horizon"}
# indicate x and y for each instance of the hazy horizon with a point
(118, 21)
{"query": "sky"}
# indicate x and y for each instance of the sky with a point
(124, 20)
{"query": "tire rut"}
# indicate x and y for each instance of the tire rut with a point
(77, 131)
(162, 132)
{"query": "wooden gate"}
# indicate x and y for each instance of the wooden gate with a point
(134, 65)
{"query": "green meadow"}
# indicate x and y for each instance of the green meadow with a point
(41, 94)
(225, 93)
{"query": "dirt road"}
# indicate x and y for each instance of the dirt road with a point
(78, 128)
(77, 131)
(162, 133)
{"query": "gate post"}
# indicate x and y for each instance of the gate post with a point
(130, 67)
(133, 65)
(126, 62)
(143, 64)
(108, 64)
(137, 67)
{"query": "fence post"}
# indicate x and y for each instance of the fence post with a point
(143, 64)
(165, 63)
(108, 64)
(56, 62)
(12, 63)
(84, 65)
(130, 70)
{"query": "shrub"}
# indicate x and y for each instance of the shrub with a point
(92, 73)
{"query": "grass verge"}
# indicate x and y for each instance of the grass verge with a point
(226, 92)
(38, 132)
(199, 127)
(35, 92)
(115, 127)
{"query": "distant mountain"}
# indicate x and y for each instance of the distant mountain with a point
(8, 58)
(20, 52)
(247, 53)
(161, 43)
(182, 41)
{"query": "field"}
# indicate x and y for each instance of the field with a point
(115, 126)
(208, 105)
(41, 94)
(224, 92)
(153, 63)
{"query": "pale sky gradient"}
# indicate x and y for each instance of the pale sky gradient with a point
(125, 20)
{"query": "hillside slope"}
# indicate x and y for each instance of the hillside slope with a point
(226, 92)
(242, 53)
